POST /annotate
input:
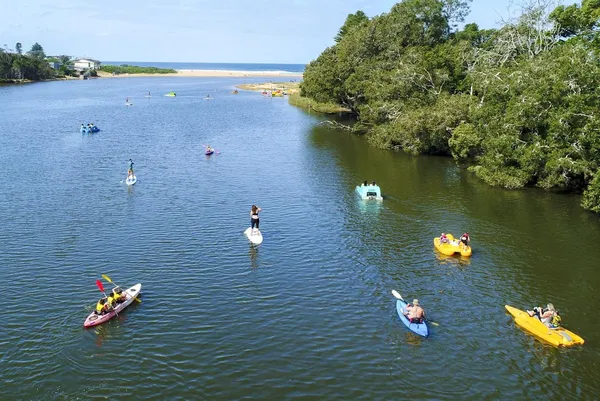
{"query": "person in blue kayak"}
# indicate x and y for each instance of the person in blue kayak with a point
(209, 149)
(254, 220)
(414, 312)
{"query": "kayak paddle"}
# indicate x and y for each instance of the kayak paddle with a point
(397, 295)
(105, 277)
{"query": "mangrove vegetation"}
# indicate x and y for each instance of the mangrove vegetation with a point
(19, 67)
(518, 105)
(133, 69)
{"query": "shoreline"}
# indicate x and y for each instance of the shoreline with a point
(209, 73)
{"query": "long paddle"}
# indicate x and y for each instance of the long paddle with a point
(397, 295)
(101, 288)
(105, 277)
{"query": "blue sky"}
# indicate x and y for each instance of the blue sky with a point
(251, 31)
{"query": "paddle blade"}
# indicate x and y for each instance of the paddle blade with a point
(100, 286)
(397, 295)
(434, 323)
(105, 277)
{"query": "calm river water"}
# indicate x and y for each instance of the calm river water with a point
(306, 315)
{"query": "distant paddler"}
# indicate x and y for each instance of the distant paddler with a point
(130, 170)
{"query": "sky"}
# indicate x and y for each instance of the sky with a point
(226, 31)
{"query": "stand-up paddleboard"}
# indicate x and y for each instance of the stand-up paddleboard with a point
(128, 104)
(131, 180)
(93, 319)
(254, 235)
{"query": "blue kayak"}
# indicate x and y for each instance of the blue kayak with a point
(210, 152)
(418, 328)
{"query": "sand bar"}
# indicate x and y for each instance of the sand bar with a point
(209, 73)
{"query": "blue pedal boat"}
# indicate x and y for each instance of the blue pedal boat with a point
(369, 192)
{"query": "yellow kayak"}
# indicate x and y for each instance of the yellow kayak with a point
(559, 336)
(452, 246)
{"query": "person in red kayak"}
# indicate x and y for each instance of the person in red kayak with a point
(118, 295)
(101, 307)
(414, 312)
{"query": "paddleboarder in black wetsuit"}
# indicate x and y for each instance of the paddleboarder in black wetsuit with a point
(254, 220)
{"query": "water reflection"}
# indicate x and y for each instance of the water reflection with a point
(453, 260)
(413, 339)
(253, 252)
(373, 207)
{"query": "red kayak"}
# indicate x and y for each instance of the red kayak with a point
(94, 320)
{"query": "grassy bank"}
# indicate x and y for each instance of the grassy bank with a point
(132, 69)
(327, 108)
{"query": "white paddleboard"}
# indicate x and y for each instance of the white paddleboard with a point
(128, 104)
(131, 180)
(254, 236)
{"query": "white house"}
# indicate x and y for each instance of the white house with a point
(82, 64)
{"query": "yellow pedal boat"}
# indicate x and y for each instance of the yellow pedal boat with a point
(452, 246)
(558, 336)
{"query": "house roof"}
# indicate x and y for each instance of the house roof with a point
(86, 59)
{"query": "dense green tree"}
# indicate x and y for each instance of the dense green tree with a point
(37, 51)
(518, 105)
(352, 21)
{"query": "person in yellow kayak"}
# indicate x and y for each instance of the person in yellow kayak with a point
(548, 315)
(118, 295)
(414, 312)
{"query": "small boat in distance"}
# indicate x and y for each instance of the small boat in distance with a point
(369, 192)
(171, 94)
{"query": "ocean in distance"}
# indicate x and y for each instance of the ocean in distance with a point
(215, 66)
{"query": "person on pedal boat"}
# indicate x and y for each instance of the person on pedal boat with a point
(444, 239)
(465, 239)
(414, 312)
(119, 295)
(548, 315)
(254, 220)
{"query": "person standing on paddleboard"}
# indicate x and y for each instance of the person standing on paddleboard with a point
(254, 220)
(130, 170)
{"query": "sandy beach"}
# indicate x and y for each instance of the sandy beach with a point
(210, 73)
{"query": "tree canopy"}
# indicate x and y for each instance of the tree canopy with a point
(37, 51)
(518, 105)
(32, 66)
